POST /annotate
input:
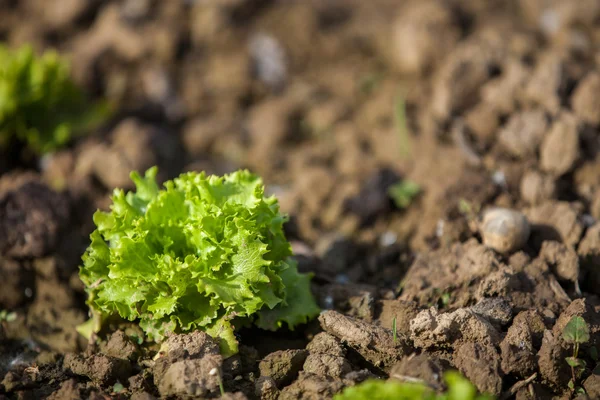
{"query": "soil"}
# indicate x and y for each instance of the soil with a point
(500, 110)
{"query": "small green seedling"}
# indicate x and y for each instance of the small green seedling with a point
(394, 331)
(576, 332)
(459, 388)
(402, 126)
(215, 372)
(7, 316)
(204, 252)
(403, 193)
(118, 387)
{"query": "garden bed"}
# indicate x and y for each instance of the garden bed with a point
(479, 103)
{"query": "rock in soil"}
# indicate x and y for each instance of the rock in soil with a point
(283, 366)
(504, 230)
(374, 343)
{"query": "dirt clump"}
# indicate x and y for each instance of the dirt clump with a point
(402, 311)
(563, 260)
(589, 253)
(372, 342)
(430, 329)
(560, 149)
(283, 366)
(185, 365)
(481, 365)
(537, 187)
(551, 361)
(424, 367)
(32, 218)
(421, 36)
(584, 100)
(555, 220)
(520, 345)
(121, 346)
(99, 368)
(523, 133)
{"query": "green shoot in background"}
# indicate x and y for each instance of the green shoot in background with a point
(204, 252)
(402, 126)
(403, 193)
(39, 103)
(459, 388)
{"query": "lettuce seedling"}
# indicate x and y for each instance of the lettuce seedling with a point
(204, 252)
(39, 103)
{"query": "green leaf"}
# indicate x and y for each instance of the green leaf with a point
(386, 390)
(576, 331)
(298, 307)
(403, 193)
(203, 252)
(459, 388)
(575, 362)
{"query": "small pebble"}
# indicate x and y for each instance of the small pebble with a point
(504, 230)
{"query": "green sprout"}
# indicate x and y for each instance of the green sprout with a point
(394, 330)
(459, 388)
(204, 252)
(403, 193)
(7, 316)
(39, 103)
(576, 332)
(402, 126)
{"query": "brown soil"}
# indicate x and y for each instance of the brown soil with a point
(502, 110)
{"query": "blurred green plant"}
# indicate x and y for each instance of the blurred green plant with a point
(403, 193)
(39, 103)
(459, 388)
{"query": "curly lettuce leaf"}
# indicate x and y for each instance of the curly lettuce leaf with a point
(197, 254)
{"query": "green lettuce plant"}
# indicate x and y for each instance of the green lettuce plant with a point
(459, 388)
(204, 252)
(39, 103)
